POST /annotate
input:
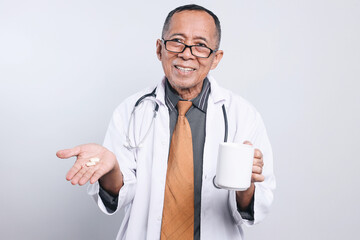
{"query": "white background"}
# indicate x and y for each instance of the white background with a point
(65, 65)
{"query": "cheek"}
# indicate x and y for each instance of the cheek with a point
(206, 65)
(165, 59)
(167, 66)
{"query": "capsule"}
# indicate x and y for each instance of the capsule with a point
(95, 160)
(90, 164)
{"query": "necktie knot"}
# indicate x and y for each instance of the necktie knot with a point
(183, 107)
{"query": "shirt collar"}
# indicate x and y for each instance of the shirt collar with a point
(200, 102)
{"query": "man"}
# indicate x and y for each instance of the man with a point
(141, 181)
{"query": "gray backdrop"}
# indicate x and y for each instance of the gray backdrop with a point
(65, 65)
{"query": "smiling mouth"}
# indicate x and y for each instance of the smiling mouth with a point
(184, 69)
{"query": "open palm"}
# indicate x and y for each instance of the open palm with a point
(80, 173)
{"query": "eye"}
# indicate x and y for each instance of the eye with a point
(201, 45)
(176, 40)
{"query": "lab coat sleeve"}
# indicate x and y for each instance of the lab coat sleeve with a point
(263, 197)
(115, 140)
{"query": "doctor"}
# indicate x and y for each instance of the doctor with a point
(140, 179)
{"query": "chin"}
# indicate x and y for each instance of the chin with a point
(183, 83)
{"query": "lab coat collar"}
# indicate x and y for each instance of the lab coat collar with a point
(217, 93)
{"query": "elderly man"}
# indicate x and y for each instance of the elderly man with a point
(159, 156)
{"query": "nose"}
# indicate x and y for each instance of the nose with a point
(186, 54)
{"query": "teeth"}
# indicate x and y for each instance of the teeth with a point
(185, 69)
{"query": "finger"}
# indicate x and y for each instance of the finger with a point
(89, 173)
(75, 169)
(258, 162)
(97, 175)
(257, 169)
(67, 153)
(78, 175)
(257, 177)
(247, 142)
(258, 153)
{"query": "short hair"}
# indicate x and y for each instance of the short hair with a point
(192, 7)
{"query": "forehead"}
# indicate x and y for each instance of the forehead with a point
(193, 24)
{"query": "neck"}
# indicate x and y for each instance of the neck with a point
(189, 93)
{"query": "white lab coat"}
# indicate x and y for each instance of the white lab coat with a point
(144, 170)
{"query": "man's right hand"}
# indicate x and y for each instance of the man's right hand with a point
(107, 170)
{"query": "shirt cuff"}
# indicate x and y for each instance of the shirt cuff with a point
(110, 201)
(248, 214)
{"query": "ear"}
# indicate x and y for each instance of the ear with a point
(218, 56)
(158, 48)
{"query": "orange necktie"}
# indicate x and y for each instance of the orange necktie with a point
(178, 212)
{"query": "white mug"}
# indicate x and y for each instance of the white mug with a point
(234, 166)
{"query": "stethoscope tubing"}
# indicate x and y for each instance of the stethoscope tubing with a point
(129, 145)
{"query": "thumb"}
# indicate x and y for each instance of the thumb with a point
(67, 153)
(247, 142)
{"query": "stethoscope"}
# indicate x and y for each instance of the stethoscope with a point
(151, 96)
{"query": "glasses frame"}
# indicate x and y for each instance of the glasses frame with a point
(188, 46)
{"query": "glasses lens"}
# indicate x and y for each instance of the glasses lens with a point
(200, 51)
(174, 46)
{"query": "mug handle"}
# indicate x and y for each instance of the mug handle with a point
(214, 182)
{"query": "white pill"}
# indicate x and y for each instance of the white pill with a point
(95, 160)
(90, 164)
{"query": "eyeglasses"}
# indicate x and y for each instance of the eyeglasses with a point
(196, 50)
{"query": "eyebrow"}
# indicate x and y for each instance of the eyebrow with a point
(183, 35)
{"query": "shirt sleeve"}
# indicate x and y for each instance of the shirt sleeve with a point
(248, 214)
(108, 199)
